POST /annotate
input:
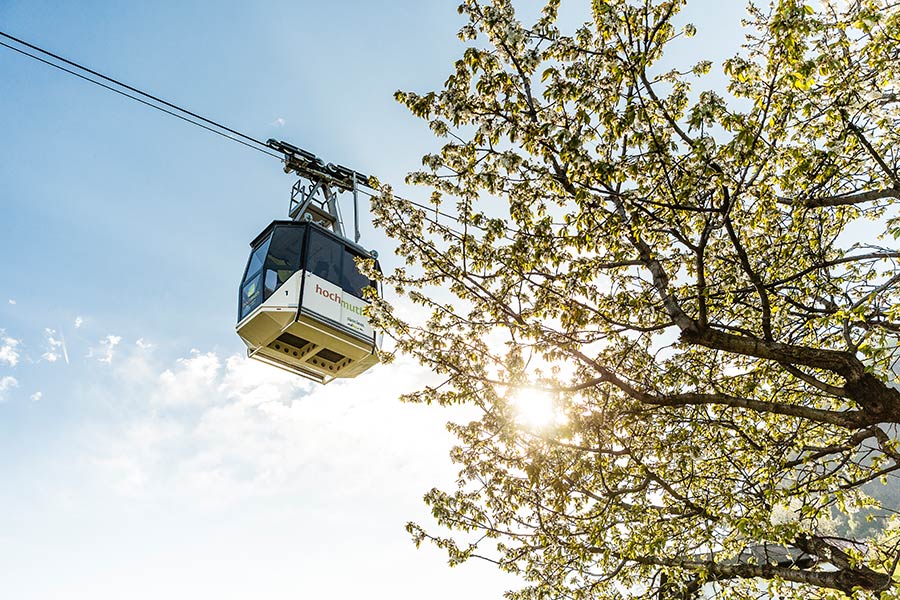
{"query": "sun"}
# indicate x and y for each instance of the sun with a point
(535, 408)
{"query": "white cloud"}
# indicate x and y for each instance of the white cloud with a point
(37, 396)
(279, 122)
(78, 322)
(191, 383)
(11, 301)
(8, 353)
(143, 344)
(56, 346)
(140, 452)
(264, 452)
(131, 477)
(108, 346)
(7, 383)
(219, 429)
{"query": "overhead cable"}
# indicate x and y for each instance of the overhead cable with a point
(211, 125)
(171, 109)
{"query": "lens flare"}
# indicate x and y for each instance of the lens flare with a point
(536, 408)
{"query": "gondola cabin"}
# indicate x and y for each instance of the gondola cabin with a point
(301, 303)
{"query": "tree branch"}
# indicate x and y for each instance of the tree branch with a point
(841, 200)
(842, 579)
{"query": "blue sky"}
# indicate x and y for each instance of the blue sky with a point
(141, 455)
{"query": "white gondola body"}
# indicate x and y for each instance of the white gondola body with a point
(311, 327)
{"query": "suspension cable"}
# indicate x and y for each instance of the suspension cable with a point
(246, 139)
(135, 98)
(207, 124)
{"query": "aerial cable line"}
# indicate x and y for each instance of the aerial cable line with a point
(249, 140)
(132, 97)
(209, 125)
(425, 207)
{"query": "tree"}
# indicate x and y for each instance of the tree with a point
(704, 281)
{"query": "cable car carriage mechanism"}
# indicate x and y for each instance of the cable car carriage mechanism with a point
(301, 302)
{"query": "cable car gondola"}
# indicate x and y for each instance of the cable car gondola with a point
(301, 301)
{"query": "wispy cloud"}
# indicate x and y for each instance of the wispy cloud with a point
(8, 353)
(56, 346)
(11, 301)
(7, 383)
(143, 344)
(37, 396)
(107, 347)
(279, 122)
(78, 322)
(191, 382)
(219, 429)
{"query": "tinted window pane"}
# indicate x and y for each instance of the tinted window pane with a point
(272, 282)
(324, 258)
(274, 279)
(284, 256)
(284, 250)
(251, 295)
(351, 279)
(257, 258)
